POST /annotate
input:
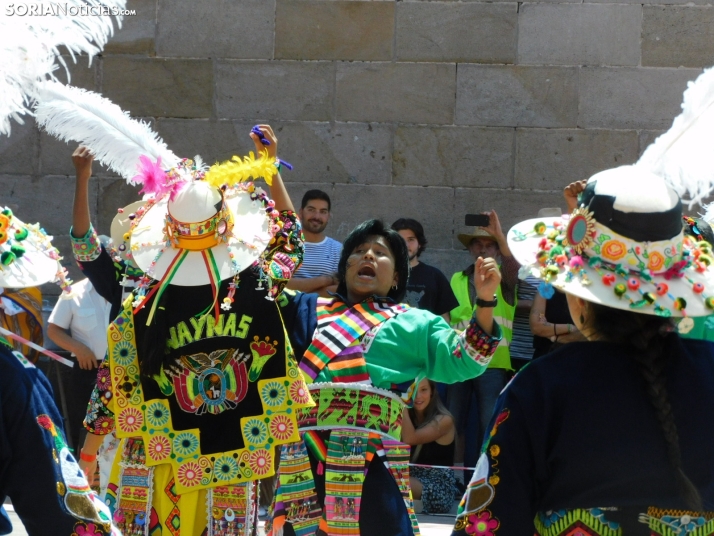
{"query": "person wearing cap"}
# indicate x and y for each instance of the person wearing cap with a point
(200, 381)
(611, 435)
(487, 241)
(38, 473)
(349, 473)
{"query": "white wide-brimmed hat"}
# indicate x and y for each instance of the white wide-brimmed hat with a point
(623, 247)
(27, 257)
(121, 227)
(228, 228)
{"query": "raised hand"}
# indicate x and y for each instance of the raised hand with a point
(571, 192)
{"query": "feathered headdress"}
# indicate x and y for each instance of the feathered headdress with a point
(681, 155)
(113, 137)
(30, 47)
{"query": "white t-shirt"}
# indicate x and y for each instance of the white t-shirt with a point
(321, 258)
(86, 314)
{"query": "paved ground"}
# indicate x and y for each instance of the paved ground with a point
(429, 525)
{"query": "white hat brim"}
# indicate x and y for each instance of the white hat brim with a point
(35, 267)
(251, 227)
(525, 251)
(121, 224)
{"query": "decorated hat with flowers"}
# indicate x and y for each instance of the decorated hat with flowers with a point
(625, 245)
(27, 257)
(119, 231)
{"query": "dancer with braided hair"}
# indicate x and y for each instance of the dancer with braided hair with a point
(613, 435)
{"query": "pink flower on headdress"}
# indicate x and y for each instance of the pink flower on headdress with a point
(151, 175)
(676, 270)
(482, 524)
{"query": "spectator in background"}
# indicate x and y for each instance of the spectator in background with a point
(428, 287)
(483, 242)
(551, 324)
(318, 273)
(78, 324)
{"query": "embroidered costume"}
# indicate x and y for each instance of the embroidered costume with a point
(363, 361)
(185, 444)
(574, 445)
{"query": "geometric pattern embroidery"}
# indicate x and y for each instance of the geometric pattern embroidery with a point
(173, 520)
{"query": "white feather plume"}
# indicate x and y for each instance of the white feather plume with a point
(114, 138)
(30, 45)
(683, 154)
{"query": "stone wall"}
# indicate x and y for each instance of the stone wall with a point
(410, 108)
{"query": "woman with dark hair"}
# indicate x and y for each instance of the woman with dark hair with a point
(430, 428)
(350, 472)
(611, 435)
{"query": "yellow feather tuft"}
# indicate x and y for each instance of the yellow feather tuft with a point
(236, 170)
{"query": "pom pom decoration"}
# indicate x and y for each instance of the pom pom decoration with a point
(236, 170)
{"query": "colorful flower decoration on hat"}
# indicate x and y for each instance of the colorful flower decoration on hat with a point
(636, 272)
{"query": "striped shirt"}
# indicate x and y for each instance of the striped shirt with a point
(320, 258)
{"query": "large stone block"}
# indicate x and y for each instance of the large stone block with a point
(442, 31)
(213, 141)
(579, 34)
(319, 152)
(454, 156)
(18, 151)
(405, 92)
(515, 96)
(159, 87)
(511, 206)
(651, 2)
(631, 98)
(47, 200)
(334, 30)
(349, 153)
(284, 90)
(551, 159)
(216, 29)
(137, 32)
(674, 36)
(431, 206)
(81, 73)
(112, 194)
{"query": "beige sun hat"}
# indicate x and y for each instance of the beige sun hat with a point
(478, 232)
(121, 227)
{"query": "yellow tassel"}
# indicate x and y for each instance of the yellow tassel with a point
(236, 170)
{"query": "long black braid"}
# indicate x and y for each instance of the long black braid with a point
(651, 339)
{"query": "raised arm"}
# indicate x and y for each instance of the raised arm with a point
(81, 221)
(278, 193)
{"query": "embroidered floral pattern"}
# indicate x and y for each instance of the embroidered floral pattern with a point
(103, 379)
(185, 444)
(189, 474)
(282, 427)
(255, 432)
(104, 425)
(130, 420)
(656, 261)
(261, 462)
(226, 468)
(123, 353)
(482, 524)
(159, 448)
(299, 392)
(273, 394)
(157, 415)
(613, 250)
(87, 248)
